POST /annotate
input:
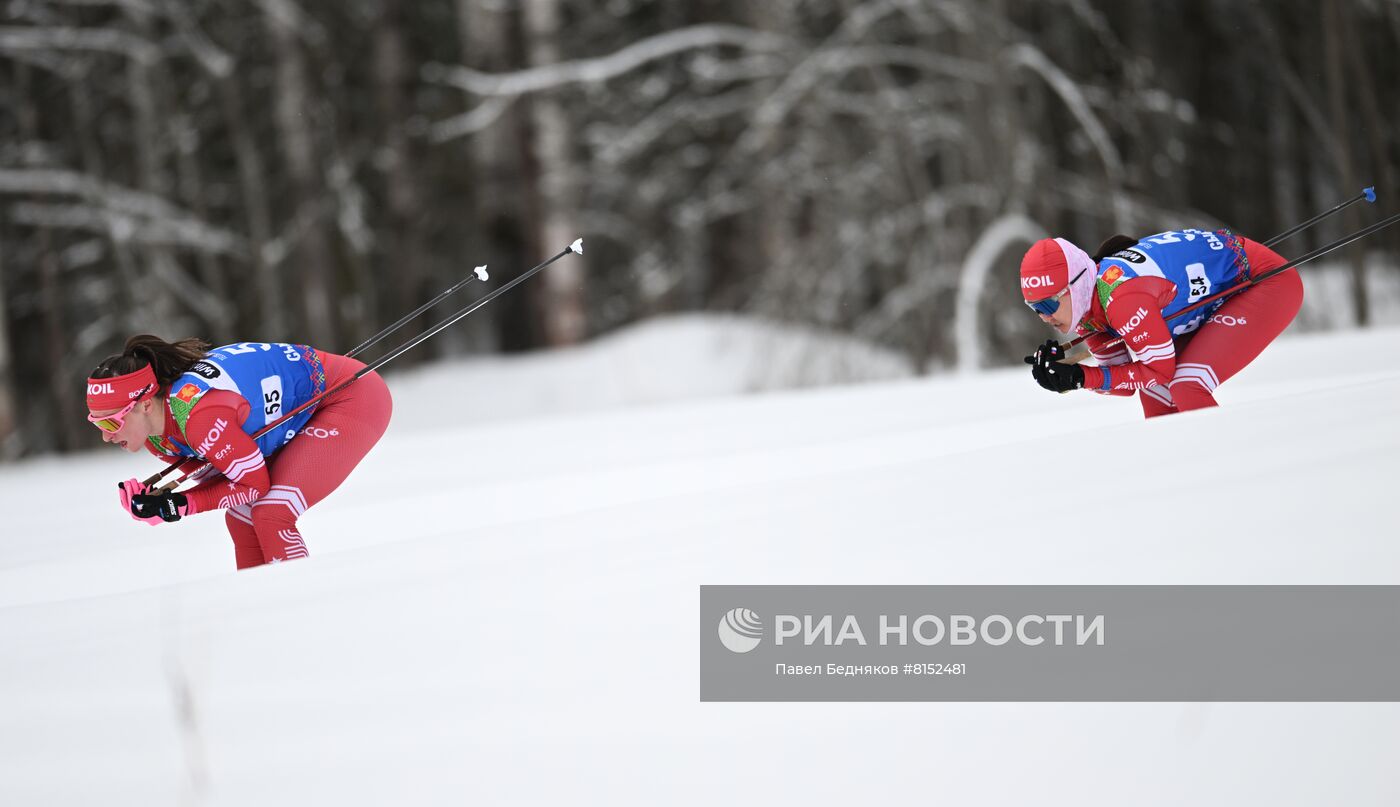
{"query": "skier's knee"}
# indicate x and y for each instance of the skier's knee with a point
(1191, 393)
(275, 520)
(1156, 401)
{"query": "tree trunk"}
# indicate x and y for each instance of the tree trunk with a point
(405, 256)
(9, 433)
(272, 310)
(1375, 127)
(563, 314)
(294, 111)
(1333, 32)
(780, 284)
(190, 180)
(1282, 164)
(60, 410)
(92, 163)
(159, 310)
(494, 208)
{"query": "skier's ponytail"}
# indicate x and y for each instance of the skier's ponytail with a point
(169, 360)
(1115, 243)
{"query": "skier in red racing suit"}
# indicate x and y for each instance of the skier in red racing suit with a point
(192, 405)
(1127, 303)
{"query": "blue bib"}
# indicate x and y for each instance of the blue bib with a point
(1200, 263)
(274, 378)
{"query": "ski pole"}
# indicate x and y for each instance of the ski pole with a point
(1369, 194)
(576, 248)
(479, 273)
(1239, 287)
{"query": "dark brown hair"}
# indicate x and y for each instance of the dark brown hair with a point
(170, 360)
(1115, 243)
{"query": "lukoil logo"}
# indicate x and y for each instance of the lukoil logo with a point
(1036, 282)
(740, 630)
(100, 389)
(1135, 321)
(213, 436)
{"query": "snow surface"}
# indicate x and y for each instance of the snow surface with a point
(505, 611)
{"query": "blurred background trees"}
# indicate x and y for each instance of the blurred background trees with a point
(307, 170)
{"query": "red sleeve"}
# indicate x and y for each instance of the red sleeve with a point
(214, 433)
(1137, 316)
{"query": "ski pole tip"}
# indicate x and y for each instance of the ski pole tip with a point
(481, 273)
(577, 247)
(1370, 193)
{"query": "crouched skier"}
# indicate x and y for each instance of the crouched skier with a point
(189, 404)
(1133, 291)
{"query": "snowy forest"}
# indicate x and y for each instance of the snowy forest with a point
(308, 171)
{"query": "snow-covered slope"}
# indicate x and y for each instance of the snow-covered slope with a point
(504, 612)
(672, 358)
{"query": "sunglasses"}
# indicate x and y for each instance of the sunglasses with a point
(113, 423)
(1047, 306)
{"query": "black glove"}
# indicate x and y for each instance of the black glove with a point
(167, 504)
(1050, 373)
(1048, 352)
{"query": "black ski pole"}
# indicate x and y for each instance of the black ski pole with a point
(479, 273)
(1320, 251)
(1369, 194)
(575, 248)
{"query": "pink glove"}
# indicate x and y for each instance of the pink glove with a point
(133, 487)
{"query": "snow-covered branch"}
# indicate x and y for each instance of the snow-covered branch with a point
(291, 17)
(102, 40)
(138, 6)
(215, 60)
(480, 117)
(114, 198)
(1010, 230)
(176, 232)
(631, 142)
(589, 71)
(208, 305)
(1031, 58)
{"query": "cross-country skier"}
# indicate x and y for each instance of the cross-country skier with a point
(189, 404)
(1132, 289)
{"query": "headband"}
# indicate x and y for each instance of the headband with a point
(118, 391)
